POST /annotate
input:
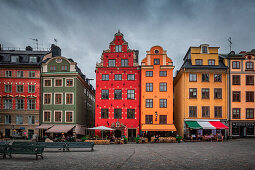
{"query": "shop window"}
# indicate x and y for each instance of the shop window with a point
(124, 62)
(162, 87)
(235, 130)
(211, 62)
(130, 94)
(218, 93)
(117, 77)
(111, 63)
(192, 93)
(130, 113)
(217, 77)
(249, 80)
(218, 111)
(205, 93)
(117, 94)
(163, 103)
(250, 113)
(236, 80)
(236, 113)
(149, 73)
(162, 73)
(250, 130)
(117, 114)
(149, 87)
(199, 62)
(249, 96)
(205, 111)
(163, 119)
(105, 77)
(236, 96)
(149, 119)
(130, 77)
(149, 103)
(104, 113)
(192, 111)
(236, 65)
(105, 94)
(192, 77)
(205, 77)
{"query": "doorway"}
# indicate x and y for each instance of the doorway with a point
(30, 133)
(242, 131)
(131, 135)
(7, 133)
(117, 133)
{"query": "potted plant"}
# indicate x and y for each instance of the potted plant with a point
(125, 140)
(137, 139)
(83, 139)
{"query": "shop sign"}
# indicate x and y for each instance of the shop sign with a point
(243, 124)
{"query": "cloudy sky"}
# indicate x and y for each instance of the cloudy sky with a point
(85, 28)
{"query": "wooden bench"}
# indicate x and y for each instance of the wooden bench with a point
(59, 145)
(80, 145)
(26, 149)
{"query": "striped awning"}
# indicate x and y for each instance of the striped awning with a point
(206, 125)
(193, 125)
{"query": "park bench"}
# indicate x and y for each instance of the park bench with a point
(23, 143)
(80, 145)
(59, 145)
(26, 149)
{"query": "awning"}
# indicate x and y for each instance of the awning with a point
(60, 129)
(158, 127)
(218, 125)
(206, 125)
(100, 128)
(193, 125)
(44, 126)
(79, 129)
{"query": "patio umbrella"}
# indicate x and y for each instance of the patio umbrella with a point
(102, 128)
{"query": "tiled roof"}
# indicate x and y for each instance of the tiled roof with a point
(187, 64)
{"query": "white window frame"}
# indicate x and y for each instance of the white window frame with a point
(73, 98)
(66, 82)
(50, 99)
(72, 116)
(44, 83)
(55, 98)
(61, 116)
(43, 115)
(56, 80)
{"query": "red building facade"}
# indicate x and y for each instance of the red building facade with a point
(118, 89)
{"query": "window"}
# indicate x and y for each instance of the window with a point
(7, 103)
(58, 116)
(8, 88)
(118, 48)
(104, 113)
(236, 96)
(20, 74)
(69, 82)
(58, 82)
(217, 77)
(8, 119)
(31, 104)
(205, 93)
(32, 59)
(58, 98)
(105, 77)
(149, 87)
(192, 77)
(69, 98)
(20, 104)
(211, 62)
(163, 119)
(69, 116)
(31, 120)
(236, 65)
(236, 80)
(130, 94)
(8, 73)
(249, 80)
(124, 62)
(117, 77)
(52, 68)
(47, 83)
(117, 114)
(46, 116)
(14, 59)
(19, 119)
(149, 73)
(249, 96)
(130, 77)
(250, 113)
(192, 93)
(130, 113)
(64, 68)
(163, 103)
(217, 111)
(117, 94)
(205, 77)
(149, 119)
(149, 103)
(20, 88)
(111, 63)
(236, 113)
(31, 88)
(199, 62)
(105, 94)
(156, 61)
(218, 93)
(47, 98)
(205, 111)
(162, 86)
(204, 49)
(192, 111)
(249, 65)
(31, 74)
(163, 73)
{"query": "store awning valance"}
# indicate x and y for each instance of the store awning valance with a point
(193, 125)
(44, 126)
(218, 125)
(161, 127)
(206, 125)
(60, 129)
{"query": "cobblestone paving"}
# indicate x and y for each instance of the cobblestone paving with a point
(234, 154)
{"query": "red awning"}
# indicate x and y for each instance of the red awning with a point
(218, 125)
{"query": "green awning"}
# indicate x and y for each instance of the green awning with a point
(193, 125)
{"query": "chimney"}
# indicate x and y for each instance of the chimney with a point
(29, 48)
(56, 51)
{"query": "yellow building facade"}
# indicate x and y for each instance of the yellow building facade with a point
(200, 93)
(157, 93)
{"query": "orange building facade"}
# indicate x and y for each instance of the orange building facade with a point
(157, 93)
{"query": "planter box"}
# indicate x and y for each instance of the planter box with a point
(99, 142)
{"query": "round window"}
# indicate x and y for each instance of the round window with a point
(156, 51)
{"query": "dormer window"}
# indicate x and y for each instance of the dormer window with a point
(14, 59)
(118, 48)
(204, 49)
(199, 62)
(32, 59)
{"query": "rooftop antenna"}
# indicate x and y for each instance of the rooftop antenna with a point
(56, 41)
(36, 42)
(230, 43)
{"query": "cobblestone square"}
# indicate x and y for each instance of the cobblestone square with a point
(233, 154)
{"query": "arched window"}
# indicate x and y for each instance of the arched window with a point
(249, 65)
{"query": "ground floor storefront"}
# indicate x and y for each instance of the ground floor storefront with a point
(19, 131)
(242, 129)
